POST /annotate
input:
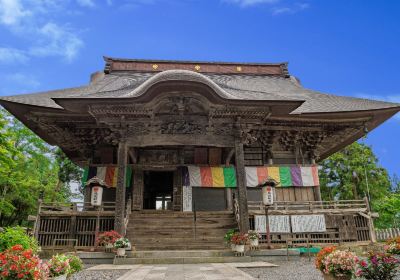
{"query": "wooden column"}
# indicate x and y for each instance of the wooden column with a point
(370, 221)
(241, 185)
(119, 225)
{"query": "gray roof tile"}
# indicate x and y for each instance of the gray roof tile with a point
(238, 87)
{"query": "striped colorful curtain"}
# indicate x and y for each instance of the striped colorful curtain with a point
(287, 176)
(108, 174)
(217, 177)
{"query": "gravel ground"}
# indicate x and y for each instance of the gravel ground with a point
(292, 270)
(98, 274)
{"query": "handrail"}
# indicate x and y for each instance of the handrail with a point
(310, 205)
(75, 207)
(236, 211)
(127, 213)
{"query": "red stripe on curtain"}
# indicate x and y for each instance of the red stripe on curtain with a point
(109, 176)
(262, 174)
(206, 177)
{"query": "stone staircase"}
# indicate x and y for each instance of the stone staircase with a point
(167, 230)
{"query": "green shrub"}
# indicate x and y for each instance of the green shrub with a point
(75, 264)
(16, 235)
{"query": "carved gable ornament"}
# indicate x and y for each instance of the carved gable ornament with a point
(181, 105)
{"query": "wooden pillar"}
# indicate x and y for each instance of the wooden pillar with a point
(119, 224)
(241, 185)
(370, 221)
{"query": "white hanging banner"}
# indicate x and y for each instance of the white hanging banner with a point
(260, 224)
(277, 224)
(187, 199)
(308, 223)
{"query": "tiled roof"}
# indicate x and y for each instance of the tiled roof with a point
(231, 87)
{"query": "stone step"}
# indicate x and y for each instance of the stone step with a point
(179, 260)
(178, 234)
(174, 240)
(175, 228)
(174, 247)
(180, 214)
(179, 253)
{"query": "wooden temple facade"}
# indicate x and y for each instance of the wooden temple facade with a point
(180, 147)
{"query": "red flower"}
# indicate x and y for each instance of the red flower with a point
(5, 273)
(20, 275)
(17, 247)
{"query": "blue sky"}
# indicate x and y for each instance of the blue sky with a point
(342, 47)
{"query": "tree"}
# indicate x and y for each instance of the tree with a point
(353, 173)
(29, 169)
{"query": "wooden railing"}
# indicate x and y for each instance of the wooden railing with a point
(304, 207)
(385, 234)
(59, 222)
(69, 207)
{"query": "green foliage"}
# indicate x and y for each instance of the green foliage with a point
(344, 175)
(75, 264)
(16, 235)
(389, 211)
(29, 169)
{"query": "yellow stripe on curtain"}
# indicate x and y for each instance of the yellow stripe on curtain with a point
(218, 177)
(273, 172)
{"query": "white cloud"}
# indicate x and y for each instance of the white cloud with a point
(293, 9)
(29, 20)
(247, 3)
(86, 3)
(12, 12)
(57, 41)
(11, 55)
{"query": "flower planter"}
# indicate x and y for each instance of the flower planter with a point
(254, 242)
(333, 277)
(240, 248)
(61, 277)
(121, 252)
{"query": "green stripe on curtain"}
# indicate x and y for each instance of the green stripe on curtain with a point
(229, 177)
(286, 178)
(128, 178)
(85, 175)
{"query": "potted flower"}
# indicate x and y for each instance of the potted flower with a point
(17, 263)
(228, 237)
(108, 238)
(321, 255)
(378, 266)
(393, 246)
(121, 244)
(239, 239)
(59, 267)
(339, 265)
(253, 236)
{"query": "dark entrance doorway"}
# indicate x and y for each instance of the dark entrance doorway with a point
(158, 190)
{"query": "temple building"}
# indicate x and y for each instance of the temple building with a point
(181, 148)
